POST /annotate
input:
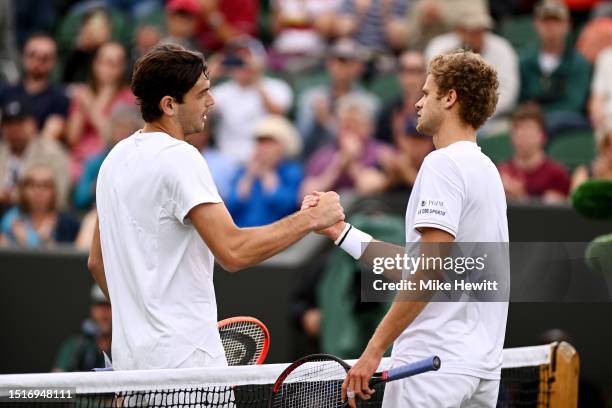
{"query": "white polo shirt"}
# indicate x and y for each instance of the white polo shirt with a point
(462, 193)
(158, 270)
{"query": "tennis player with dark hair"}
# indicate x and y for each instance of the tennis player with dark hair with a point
(161, 224)
(457, 197)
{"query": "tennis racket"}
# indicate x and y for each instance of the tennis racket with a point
(246, 340)
(316, 381)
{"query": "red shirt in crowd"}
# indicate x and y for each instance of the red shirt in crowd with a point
(240, 14)
(548, 176)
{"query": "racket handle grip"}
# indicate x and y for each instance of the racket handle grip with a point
(432, 363)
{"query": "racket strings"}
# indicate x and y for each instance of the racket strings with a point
(312, 384)
(243, 342)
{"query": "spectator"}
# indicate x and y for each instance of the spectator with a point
(255, 94)
(554, 74)
(428, 19)
(379, 25)
(93, 103)
(411, 148)
(8, 48)
(317, 106)
(48, 103)
(601, 167)
(36, 221)
(146, 36)
(222, 167)
(530, 173)
(472, 31)
(95, 30)
(411, 77)
(84, 352)
(600, 104)
(266, 188)
(594, 38)
(21, 148)
(123, 121)
(301, 30)
(182, 17)
(354, 160)
(223, 21)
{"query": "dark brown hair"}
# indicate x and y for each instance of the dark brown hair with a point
(473, 79)
(92, 81)
(530, 111)
(165, 70)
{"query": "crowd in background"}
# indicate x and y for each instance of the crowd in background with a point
(310, 95)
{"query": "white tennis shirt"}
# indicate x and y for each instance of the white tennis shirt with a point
(458, 190)
(158, 270)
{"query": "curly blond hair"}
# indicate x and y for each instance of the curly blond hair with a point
(473, 79)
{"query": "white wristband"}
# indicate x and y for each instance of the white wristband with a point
(346, 229)
(355, 242)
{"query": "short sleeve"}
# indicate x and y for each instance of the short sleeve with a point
(190, 181)
(440, 195)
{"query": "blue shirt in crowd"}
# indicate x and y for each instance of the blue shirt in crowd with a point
(263, 207)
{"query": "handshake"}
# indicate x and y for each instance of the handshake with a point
(326, 212)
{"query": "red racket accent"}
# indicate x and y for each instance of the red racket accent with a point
(246, 340)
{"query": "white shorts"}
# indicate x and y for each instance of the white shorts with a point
(441, 390)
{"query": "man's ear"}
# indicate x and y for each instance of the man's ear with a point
(450, 99)
(168, 105)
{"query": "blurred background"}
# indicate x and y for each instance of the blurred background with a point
(310, 95)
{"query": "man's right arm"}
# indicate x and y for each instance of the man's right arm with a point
(238, 248)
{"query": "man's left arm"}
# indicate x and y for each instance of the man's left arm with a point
(95, 262)
(400, 315)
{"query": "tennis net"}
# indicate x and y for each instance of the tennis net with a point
(540, 376)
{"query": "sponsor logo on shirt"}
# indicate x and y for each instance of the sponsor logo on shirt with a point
(432, 207)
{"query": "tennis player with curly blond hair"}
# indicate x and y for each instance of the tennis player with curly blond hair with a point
(458, 197)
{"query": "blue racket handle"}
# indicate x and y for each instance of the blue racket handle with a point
(429, 364)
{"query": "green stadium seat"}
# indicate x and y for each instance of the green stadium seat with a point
(573, 148)
(385, 87)
(307, 80)
(498, 147)
(519, 31)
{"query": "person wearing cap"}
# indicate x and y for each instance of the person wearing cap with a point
(473, 25)
(84, 351)
(246, 98)
(266, 188)
(601, 166)
(182, 18)
(553, 73)
(411, 148)
(316, 106)
(530, 173)
(21, 148)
